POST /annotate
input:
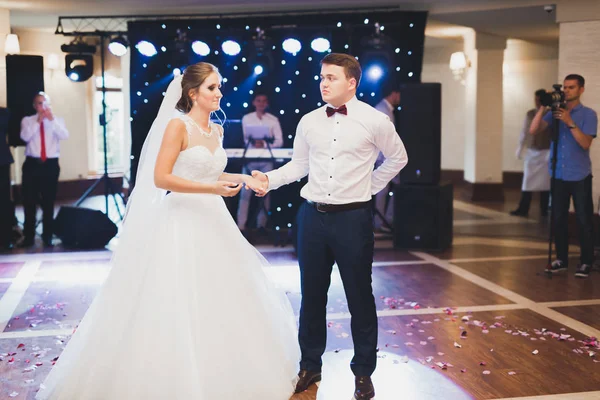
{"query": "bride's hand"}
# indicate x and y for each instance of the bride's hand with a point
(259, 187)
(226, 189)
(264, 180)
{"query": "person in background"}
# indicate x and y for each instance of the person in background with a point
(577, 127)
(383, 201)
(42, 132)
(536, 177)
(251, 210)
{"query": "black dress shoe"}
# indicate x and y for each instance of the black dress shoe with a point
(364, 389)
(519, 213)
(307, 378)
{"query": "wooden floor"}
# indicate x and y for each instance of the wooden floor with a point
(477, 321)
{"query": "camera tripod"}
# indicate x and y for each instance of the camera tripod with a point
(555, 137)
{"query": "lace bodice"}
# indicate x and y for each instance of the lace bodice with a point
(197, 162)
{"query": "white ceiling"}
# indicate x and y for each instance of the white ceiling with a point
(522, 19)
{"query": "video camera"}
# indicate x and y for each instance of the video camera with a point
(555, 99)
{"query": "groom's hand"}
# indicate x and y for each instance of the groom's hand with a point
(263, 179)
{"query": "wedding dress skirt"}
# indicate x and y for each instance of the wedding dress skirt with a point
(185, 313)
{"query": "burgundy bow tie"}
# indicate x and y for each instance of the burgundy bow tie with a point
(341, 110)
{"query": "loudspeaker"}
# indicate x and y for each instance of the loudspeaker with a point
(418, 123)
(24, 79)
(423, 216)
(83, 227)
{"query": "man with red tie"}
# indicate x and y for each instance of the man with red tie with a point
(336, 146)
(42, 133)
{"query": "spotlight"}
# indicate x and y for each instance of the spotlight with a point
(176, 72)
(292, 46)
(146, 48)
(231, 48)
(200, 48)
(118, 46)
(79, 67)
(374, 72)
(79, 62)
(320, 45)
(258, 70)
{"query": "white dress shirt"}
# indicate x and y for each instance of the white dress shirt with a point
(54, 131)
(267, 119)
(338, 154)
(385, 107)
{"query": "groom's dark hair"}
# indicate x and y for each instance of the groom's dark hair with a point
(351, 66)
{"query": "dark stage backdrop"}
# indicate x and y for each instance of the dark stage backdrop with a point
(291, 81)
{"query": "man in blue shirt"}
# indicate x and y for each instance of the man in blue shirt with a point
(577, 128)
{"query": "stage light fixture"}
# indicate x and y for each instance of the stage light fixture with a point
(200, 48)
(376, 55)
(291, 45)
(79, 67)
(79, 60)
(260, 51)
(231, 48)
(118, 46)
(146, 48)
(320, 45)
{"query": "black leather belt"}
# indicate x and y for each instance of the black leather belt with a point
(327, 208)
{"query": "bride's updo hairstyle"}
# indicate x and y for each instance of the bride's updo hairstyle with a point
(192, 78)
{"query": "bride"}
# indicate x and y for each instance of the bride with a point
(186, 311)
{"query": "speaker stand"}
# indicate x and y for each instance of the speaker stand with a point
(109, 189)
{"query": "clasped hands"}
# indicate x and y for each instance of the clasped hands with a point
(258, 182)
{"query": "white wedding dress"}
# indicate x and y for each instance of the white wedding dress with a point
(185, 313)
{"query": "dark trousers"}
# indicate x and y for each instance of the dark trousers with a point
(345, 238)
(40, 180)
(581, 191)
(7, 216)
(526, 202)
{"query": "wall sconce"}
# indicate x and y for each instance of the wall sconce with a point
(11, 44)
(53, 62)
(458, 65)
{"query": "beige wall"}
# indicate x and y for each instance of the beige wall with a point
(527, 67)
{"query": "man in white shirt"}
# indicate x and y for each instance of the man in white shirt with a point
(383, 203)
(251, 208)
(42, 132)
(336, 146)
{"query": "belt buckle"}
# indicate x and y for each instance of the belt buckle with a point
(319, 207)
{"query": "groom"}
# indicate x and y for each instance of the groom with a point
(337, 145)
